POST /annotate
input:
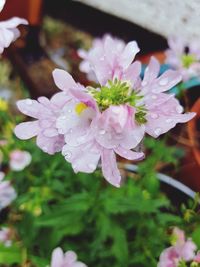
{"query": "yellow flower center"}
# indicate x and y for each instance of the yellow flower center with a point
(80, 107)
(3, 105)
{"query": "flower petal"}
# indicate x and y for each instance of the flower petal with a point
(57, 258)
(109, 167)
(128, 54)
(129, 154)
(27, 130)
(63, 80)
(29, 107)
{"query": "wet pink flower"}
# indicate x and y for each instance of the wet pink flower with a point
(163, 111)
(91, 135)
(182, 250)
(67, 259)
(8, 29)
(108, 58)
(5, 236)
(184, 56)
(19, 160)
(45, 112)
(7, 192)
(197, 258)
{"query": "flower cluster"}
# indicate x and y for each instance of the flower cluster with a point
(95, 124)
(7, 192)
(184, 57)
(180, 253)
(8, 29)
(68, 259)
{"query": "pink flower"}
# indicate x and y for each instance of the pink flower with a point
(197, 258)
(182, 250)
(7, 192)
(108, 58)
(163, 111)
(8, 29)
(19, 160)
(5, 236)
(45, 112)
(184, 57)
(68, 259)
(91, 135)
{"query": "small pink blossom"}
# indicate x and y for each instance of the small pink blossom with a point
(197, 258)
(67, 259)
(8, 29)
(182, 250)
(19, 160)
(45, 112)
(108, 58)
(184, 56)
(5, 236)
(7, 192)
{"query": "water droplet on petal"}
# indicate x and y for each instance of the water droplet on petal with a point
(169, 120)
(101, 132)
(29, 102)
(68, 155)
(179, 109)
(91, 166)
(157, 131)
(144, 83)
(154, 115)
(164, 81)
(69, 110)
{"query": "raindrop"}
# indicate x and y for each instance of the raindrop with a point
(101, 132)
(69, 110)
(154, 115)
(169, 120)
(91, 166)
(163, 81)
(179, 109)
(157, 131)
(67, 154)
(29, 102)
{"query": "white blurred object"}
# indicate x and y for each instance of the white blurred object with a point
(167, 18)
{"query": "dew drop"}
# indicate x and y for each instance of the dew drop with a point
(68, 154)
(163, 81)
(91, 166)
(154, 115)
(101, 132)
(169, 120)
(157, 131)
(179, 109)
(154, 97)
(29, 102)
(69, 111)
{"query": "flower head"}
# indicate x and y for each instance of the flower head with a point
(8, 29)
(19, 160)
(7, 192)
(182, 250)
(67, 259)
(184, 57)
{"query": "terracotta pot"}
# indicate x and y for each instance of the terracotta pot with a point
(28, 9)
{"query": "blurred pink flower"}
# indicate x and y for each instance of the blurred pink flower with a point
(163, 111)
(182, 250)
(19, 160)
(184, 57)
(68, 259)
(5, 236)
(46, 112)
(108, 58)
(197, 258)
(7, 192)
(8, 29)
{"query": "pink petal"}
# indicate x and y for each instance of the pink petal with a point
(109, 167)
(57, 258)
(63, 80)
(2, 3)
(13, 23)
(167, 80)
(129, 154)
(132, 73)
(29, 107)
(128, 54)
(50, 145)
(151, 71)
(84, 158)
(70, 257)
(27, 130)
